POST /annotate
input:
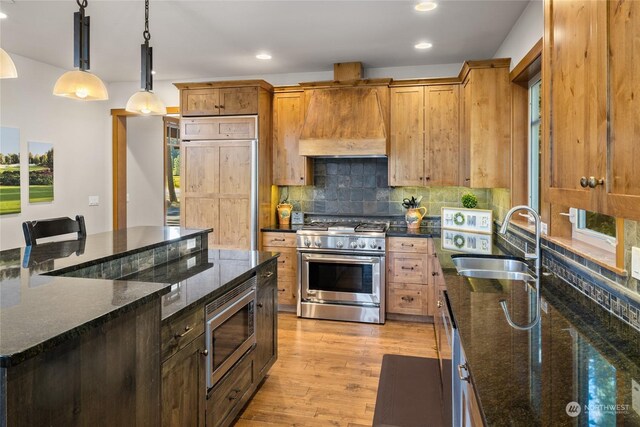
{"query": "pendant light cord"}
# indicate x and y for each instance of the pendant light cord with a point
(146, 34)
(82, 4)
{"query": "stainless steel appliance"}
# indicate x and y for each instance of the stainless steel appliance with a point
(230, 329)
(341, 271)
(447, 339)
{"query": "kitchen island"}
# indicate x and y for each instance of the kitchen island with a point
(82, 328)
(578, 354)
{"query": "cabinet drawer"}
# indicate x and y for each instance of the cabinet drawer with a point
(409, 244)
(218, 128)
(227, 396)
(280, 240)
(287, 261)
(405, 298)
(181, 331)
(287, 290)
(408, 267)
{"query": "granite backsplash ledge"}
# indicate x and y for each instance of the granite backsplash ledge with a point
(361, 186)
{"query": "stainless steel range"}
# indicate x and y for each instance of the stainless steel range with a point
(341, 271)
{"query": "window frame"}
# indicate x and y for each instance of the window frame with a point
(586, 235)
(535, 80)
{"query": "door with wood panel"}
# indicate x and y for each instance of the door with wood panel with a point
(406, 157)
(289, 168)
(465, 137)
(238, 100)
(442, 134)
(200, 102)
(623, 173)
(575, 120)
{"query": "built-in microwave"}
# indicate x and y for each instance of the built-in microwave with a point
(230, 329)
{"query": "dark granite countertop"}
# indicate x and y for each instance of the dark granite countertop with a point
(577, 352)
(39, 311)
(202, 277)
(285, 228)
(424, 232)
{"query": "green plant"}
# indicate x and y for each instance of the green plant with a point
(469, 201)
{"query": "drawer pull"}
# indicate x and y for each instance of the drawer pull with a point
(187, 329)
(260, 305)
(234, 394)
(282, 290)
(267, 275)
(278, 240)
(439, 304)
(463, 376)
(435, 273)
(407, 299)
(410, 245)
(281, 262)
(407, 268)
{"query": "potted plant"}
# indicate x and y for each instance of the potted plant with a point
(469, 200)
(415, 212)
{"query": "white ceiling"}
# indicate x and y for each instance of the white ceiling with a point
(198, 39)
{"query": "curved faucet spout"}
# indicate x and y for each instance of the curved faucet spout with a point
(505, 225)
(528, 326)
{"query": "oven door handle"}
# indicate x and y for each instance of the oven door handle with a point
(371, 260)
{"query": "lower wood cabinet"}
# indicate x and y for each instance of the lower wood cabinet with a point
(285, 244)
(410, 280)
(227, 398)
(266, 351)
(184, 386)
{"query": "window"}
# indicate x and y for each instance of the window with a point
(535, 134)
(594, 228)
(172, 170)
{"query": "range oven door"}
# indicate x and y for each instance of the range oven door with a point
(230, 332)
(354, 279)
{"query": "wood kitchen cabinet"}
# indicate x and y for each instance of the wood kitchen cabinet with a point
(485, 144)
(219, 101)
(425, 135)
(289, 168)
(266, 351)
(287, 287)
(591, 106)
(410, 289)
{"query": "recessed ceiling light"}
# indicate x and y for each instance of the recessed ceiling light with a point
(425, 6)
(423, 45)
(3, 15)
(263, 56)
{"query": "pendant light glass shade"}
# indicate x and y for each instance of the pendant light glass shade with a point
(7, 67)
(81, 85)
(146, 103)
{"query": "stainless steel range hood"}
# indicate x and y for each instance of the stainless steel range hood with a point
(346, 119)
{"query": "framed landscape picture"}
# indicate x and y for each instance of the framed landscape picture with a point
(9, 170)
(40, 172)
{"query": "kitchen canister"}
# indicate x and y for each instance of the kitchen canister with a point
(284, 213)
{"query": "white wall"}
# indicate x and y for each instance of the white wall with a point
(524, 34)
(82, 156)
(145, 172)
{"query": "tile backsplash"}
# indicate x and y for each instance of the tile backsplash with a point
(361, 186)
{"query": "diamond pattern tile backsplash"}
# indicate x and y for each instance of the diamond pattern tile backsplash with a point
(361, 187)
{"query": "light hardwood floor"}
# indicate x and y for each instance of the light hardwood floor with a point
(327, 372)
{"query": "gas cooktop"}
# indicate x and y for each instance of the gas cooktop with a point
(348, 227)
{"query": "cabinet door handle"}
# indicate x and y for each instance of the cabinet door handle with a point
(407, 268)
(277, 240)
(584, 182)
(216, 106)
(407, 299)
(407, 245)
(204, 352)
(439, 304)
(281, 290)
(420, 178)
(463, 376)
(267, 275)
(593, 182)
(302, 178)
(187, 329)
(281, 262)
(435, 273)
(428, 178)
(234, 394)
(222, 106)
(260, 305)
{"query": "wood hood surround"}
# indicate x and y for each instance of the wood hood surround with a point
(346, 118)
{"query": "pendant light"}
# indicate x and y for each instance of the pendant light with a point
(146, 102)
(81, 84)
(7, 67)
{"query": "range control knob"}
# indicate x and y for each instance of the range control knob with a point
(339, 244)
(353, 245)
(362, 244)
(307, 242)
(318, 243)
(373, 244)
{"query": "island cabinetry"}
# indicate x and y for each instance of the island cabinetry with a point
(266, 320)
(111, 372)
(285, 244)
(410, 288)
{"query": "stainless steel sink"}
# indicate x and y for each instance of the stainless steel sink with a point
(492, 268)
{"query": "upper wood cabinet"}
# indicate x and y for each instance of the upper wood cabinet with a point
(425, 135)
(219, 101)
(289, 168)
(485, 148)
(591, 105)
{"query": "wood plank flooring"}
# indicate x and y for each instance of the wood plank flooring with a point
(327, 372)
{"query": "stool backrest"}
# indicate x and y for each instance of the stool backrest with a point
(42, 228)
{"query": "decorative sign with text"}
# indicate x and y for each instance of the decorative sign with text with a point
(474, 220)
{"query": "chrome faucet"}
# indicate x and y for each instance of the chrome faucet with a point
(527, 255)
(505, 224)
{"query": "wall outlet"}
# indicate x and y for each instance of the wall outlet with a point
(635, 396)
(635, 263)
(94, 200)
(544, 229)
